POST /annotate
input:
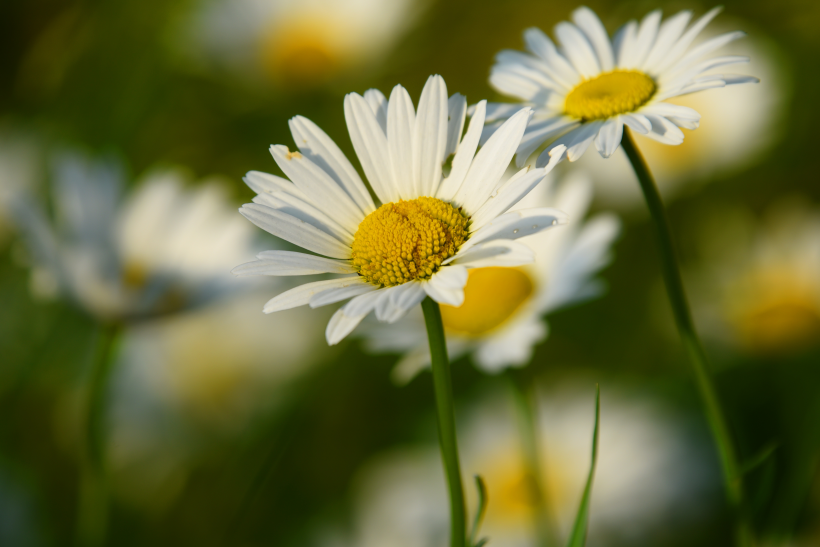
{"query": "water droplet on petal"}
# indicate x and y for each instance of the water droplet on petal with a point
(534, 226)
(554, 221)
(515, 231)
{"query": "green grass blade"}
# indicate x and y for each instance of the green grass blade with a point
(579, 529)
(480, 511)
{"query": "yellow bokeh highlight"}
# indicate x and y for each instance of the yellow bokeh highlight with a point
(407, 240)
(491, 297)
(609, 94)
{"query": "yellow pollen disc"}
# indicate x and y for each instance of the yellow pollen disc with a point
(301, 52)
(608, 95)
(491, 296)
(407, 240)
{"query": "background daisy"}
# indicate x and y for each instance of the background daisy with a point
(501, 319)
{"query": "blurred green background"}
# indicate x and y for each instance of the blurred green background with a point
(146, 80)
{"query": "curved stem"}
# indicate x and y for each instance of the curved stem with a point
(526, 405)
(93, 507)
(443, 386)
(683, 318)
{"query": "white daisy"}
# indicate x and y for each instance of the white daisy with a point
(650, 479)
(430, 228)
(758, 290)
(591, 86)
(159, 250)
(294, 42)
(501, 319)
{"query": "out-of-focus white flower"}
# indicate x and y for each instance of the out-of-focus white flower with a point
(727, 140)
(160, 250)
(759, 287)
(431, 226)
(190, 381)
(649, 479)
(501, 319)
(296, 43)
(592, 86)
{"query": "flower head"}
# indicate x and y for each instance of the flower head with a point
(162, 249)
(432, 225)
(591, 86)
(501, 319)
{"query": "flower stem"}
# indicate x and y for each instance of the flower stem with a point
(93, 506)
(443, 385)
(526, 405)
(697, 357)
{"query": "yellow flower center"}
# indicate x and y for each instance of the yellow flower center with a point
(301, 53)
(610, 94)
(491, 296)
(407, 240)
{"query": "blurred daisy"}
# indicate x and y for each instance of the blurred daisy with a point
(726, 141)
(432, 226)
(592, 86)
(297, 42)
(162, 249)
(761, 289)
(501, 319)
(649, 480)
(189, 383)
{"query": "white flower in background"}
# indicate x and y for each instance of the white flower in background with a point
(161, 249)
(189, 383)
(592, 86)
(296, 42)
(501, 319)
(759, 288)
(650, 478)
(432, 226)
(726, 141)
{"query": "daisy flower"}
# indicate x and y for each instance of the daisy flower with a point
(431, 225)
(501, 319)
(651, 475)
(159, 250)
(592, 86)
(295, 42)
(759, 290)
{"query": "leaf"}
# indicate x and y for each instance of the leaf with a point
(479, 515)
(759, 459)
(579, 529)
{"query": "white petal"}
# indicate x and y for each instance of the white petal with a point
(625, 43)
(378, 104)
(516, 224)
(301, 295)
(609, 137)
(321, 150)
(430, 136)
(538, 133)
(518, 186)
(340, 326)
(645, 38)
(561, 70)
(464, 155)
(497, 111)
(323, 192)
(370, 144)
(578, 49)
(337, 294)
(637, 122)
(527, 70)
(582, 138)
(491, 161)
(500, 252)
(664, 131)
(292, 263)
(397, 301)
(669, 33)
(588, 21)
(295, 207)
(400, 121)
(295, 231)
(457, 113)
(515, 81)
(686, 40)
(447, 285)
(704, 49)
(265, 183)
(672, 110)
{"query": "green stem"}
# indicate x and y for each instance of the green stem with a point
(93, 503)
(526, 406)
(683, 318)
(443, 386)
